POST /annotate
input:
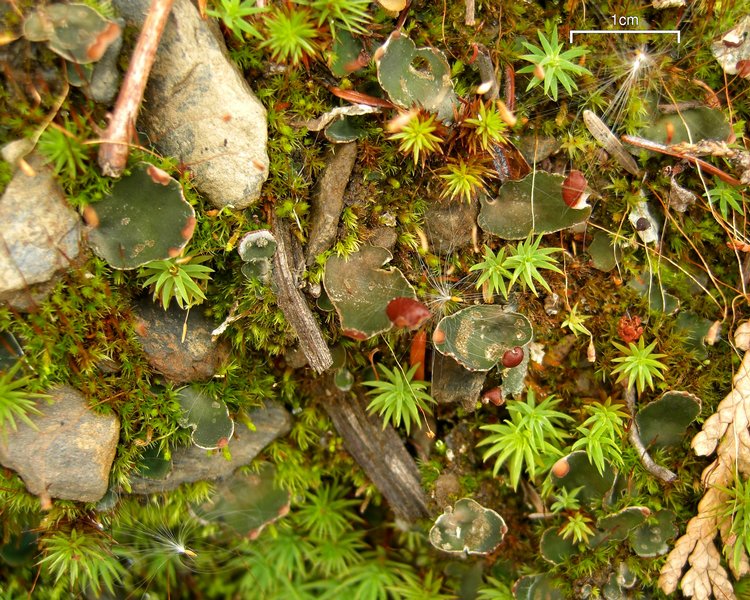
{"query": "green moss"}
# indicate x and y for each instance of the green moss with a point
(86, 319)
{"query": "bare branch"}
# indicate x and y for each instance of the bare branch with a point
(470, 19)
(293, 304)
(113, 152)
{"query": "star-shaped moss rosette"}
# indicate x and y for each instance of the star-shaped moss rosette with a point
(478, 337)
(360, 289)
(533, 204)
(468, 527)
(145, 218)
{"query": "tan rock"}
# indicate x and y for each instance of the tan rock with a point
(69, 453)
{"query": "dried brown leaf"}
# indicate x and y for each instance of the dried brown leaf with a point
(726, 433)
(731, 412)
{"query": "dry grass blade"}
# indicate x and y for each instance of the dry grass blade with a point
(609, 142)
(726, 433)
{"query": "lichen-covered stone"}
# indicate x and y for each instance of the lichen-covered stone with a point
(533, 204)
(416, 76)
(449, 226)
(200, 110)
(246, 502)
(468, 527)
(69, 454)
(194, 464)
(160, 332)
(360, 287)
(39, 237)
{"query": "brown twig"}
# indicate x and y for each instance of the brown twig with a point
(470, 18)
(378, 450)
(669, 151)
(113, 152)
(656, 470)
(361, 98)
(293, 304)
(487, 72)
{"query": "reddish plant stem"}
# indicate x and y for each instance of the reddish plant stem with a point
(417, 353)
(114, 149)
(360, 98)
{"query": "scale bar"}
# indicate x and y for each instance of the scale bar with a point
(641, 31)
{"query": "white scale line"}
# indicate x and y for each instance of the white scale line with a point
(641, 31)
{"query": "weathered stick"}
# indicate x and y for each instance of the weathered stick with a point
(293, 304)
(656, 470)
(114, 149)
(470, 18)
(380, 452)
(662, 149)
(487, 73)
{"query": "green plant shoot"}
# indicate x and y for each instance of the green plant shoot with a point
(526, 259)
(532, 434)
(639, 364)
(556, 65)
(176, 279)
(418, 137)
(398, 398)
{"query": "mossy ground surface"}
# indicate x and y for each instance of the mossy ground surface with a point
(340, 537)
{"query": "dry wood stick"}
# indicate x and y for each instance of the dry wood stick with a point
(470, 18)
(487, 72)
(114, 149)
(293, 304)
(379, 451)
(662, 149)
(609, 142)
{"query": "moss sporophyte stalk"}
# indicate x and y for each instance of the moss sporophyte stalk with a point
(529, 274)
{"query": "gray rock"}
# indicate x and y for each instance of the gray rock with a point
(160, 332)
(69, 454)
(39, 237)
(193, 464)
(328, 200)
(449, 224)
(199, 109)
(447, 489)
(385, 237)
